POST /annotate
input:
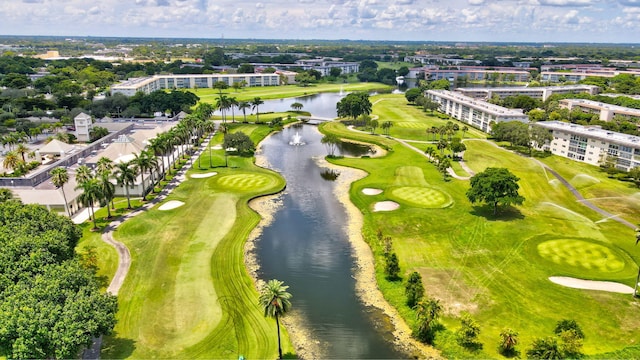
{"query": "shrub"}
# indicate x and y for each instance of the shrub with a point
(467, 334)
(414, 290)
(392, 267)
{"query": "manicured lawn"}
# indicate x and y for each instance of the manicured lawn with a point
(497, 268)
(188, 294)
(285, 91)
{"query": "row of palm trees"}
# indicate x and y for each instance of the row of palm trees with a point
(98, 186)
(449, 129)
(225, 103)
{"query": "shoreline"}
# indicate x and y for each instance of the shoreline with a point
(364, 270)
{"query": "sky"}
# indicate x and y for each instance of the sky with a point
(590, 21)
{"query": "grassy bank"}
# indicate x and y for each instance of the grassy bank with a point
(188, 294)
(497, 268)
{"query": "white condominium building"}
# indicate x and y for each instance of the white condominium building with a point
(190, 81)
(541, 93)
(592, 144)
(605, 111)
(477, 113)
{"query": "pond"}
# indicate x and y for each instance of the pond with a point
(307, 247)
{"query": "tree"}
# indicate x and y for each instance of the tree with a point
(275, 300)
(125, 175)
(443, 164)
(392, 267)
(91, 194)
(508, 342)
(59, 177)
(246, 69)
(386, 126)
(256, 102)
(354, 105)
(296, 106)
(107, 188)
(6, 195)
(538, 137)
(545, 348)
(98, 132)
(495, 186)
(412, 94)
(83, 173)
(243, 106)
(456, 146)
(331, 142)
(427, 312)
(373, 125)
(239, 141)
(142, 163)
(22, 149)
(414, 290)
(568, 325)
(467, 334)
(464, 129)
(11, 160)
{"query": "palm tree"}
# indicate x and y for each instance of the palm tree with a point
(11, 160)
(158, 146)
(233, 103)
(83, 173)
(91, 193)
(464, 129)
(427, 312)
(256, 103)
(142, 163)
(153, 164)
(59, 177)
(22, 149)
(244, 105)
(107, 189)
(223, 104)
(508, 341)
(442, 144)
(125, 175)
(104, 164)
(274, 298)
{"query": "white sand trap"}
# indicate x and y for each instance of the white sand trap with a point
(170, 205)
(205, 175)
(386, 206)
(591, 285)
(371, 191)
(217, 147)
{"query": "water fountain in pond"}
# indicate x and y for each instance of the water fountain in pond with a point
(296, 140)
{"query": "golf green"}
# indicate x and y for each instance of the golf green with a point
(245, 182)
(423, 197)
(582, 255)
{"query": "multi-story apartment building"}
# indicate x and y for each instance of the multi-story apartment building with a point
(541, 93)
(471, 74)
(581, 74)
(592, 144)
(477, 113)
(605, 111)
(190, 81)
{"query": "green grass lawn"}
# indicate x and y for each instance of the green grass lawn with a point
(188, 294)
(285, 91)
(497, 268)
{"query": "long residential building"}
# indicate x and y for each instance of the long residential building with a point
(471, 74)
(592, 144)
(605, 111)
(541, 93)
(477, 113)
(190, 81)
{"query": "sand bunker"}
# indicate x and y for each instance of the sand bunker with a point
(217, 147)
(386, 206)
(591, 285)
(371, 191)
(170, 205)
(205, 175)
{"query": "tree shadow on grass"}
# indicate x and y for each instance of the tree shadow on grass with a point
(504, 214)
(117, 347)
(289, 356)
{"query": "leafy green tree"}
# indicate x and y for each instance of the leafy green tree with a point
(98, 132)
(296, 106)
(246, 69)
(354, 105)
(467, 334)
(331, 142)
(495, 186)
(443, 165)
(392, 267)
(6, 195)
(464, 129)
(239, 141)
(386, 126)
(373, 125)
(59, 177)
(427, 312)
(569, 325)
(414, 290)
(276, 302)
(412, 94)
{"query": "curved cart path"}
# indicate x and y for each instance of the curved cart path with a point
(124, 256)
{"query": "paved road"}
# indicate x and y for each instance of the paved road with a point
(124, 257)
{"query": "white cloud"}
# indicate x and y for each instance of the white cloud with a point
(476, 2)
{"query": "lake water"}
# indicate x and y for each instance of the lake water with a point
(307, 247)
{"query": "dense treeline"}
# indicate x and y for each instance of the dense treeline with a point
(51, 304)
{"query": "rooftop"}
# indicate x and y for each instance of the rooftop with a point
(593, 132)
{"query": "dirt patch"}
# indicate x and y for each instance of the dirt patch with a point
(608, 286)
(170, 205)
(448, 286)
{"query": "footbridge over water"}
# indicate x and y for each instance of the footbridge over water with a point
(314, 120)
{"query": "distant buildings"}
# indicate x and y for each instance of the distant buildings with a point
(471, 73)
(477, 113)
(592, 144)
(605, 111)
(541, 93)
(189, 81)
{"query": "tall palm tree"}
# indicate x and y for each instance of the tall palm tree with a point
(256, 103)
(464, 129)
(91, 193)
(508, 341)
(223, 104)
(274, 298)
(233, 103)
(427, 312)
(107, 189)
(153, 164)
(22, 149)
(59, 177)
(125, 175)
(243, 106)
(158, 146)
(142, 163)
(104, 164)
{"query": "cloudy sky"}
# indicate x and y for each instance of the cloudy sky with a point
(609, 21)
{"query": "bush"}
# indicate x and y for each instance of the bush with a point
(568, 325)
(467, 335)
(546, 348)
(414, 290)
(392, 267)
